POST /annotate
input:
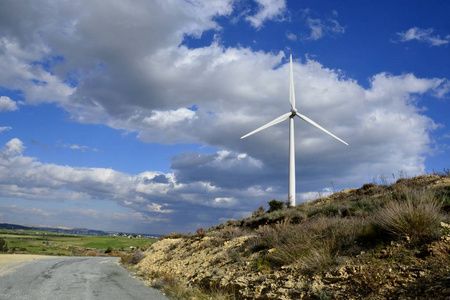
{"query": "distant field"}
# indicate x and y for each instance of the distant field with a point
(38, 242)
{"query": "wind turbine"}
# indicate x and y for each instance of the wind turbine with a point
(291, 115)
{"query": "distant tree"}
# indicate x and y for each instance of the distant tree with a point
(3, 245)
(275, 205)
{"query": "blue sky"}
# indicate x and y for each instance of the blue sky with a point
(128, 115)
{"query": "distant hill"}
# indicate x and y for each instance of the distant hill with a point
(64, 230)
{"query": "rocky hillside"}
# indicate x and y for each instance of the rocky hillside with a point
(375, 242)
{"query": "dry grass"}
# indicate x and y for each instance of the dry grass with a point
(133, 258)
(312, 245)
(416, 214)
(177, 290)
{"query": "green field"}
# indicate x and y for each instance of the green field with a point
(49, 243)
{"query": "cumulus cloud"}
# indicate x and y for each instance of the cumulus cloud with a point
(423, 35)
(6, 104)
(149, 194)
(13, 148)
(268, 10)
(37, 84)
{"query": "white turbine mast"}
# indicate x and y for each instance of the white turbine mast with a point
(291, 115)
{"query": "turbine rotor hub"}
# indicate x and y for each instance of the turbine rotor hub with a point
(293, 112)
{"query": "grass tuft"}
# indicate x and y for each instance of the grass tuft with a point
(417, 215)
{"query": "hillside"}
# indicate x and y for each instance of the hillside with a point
(375, 242)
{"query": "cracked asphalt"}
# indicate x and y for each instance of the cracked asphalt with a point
(67, 278)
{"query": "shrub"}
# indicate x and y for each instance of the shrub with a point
(133, 259)
(174, 235)
(275, 205)
(200, 232)
(259, 212)
(3, 245)
(175, 289)
(416, 216)
(228, 233)
(109, 249)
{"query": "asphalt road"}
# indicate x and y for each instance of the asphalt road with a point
(68, 278)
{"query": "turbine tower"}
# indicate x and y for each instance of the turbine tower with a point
(291, 115)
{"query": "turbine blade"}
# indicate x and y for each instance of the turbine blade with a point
(271, 123)
(308, 120)
(291, 90)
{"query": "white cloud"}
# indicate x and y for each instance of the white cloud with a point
(76, 147)
(13, 148)
(6, 104)
(25, 211)
(164, 119)
(313, 195)
(291, 36)
(224, 202)
(320, 27)
(268, 10)
(5, 128)
(157, 208)
(423, 36)
(37, 84)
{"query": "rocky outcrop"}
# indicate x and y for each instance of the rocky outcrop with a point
(393, 272)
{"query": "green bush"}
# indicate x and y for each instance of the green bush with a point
(3, 245)
(275, 205)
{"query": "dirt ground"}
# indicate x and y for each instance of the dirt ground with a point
(10, 258)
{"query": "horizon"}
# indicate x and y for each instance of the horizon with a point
(44, 228)
(136, 124)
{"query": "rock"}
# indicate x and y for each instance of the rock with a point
(288, 284)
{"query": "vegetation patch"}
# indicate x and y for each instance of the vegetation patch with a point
(40, 242)
(377, 242)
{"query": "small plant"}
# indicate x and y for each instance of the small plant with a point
(109, 249)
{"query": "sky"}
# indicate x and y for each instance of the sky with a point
(127, 115)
